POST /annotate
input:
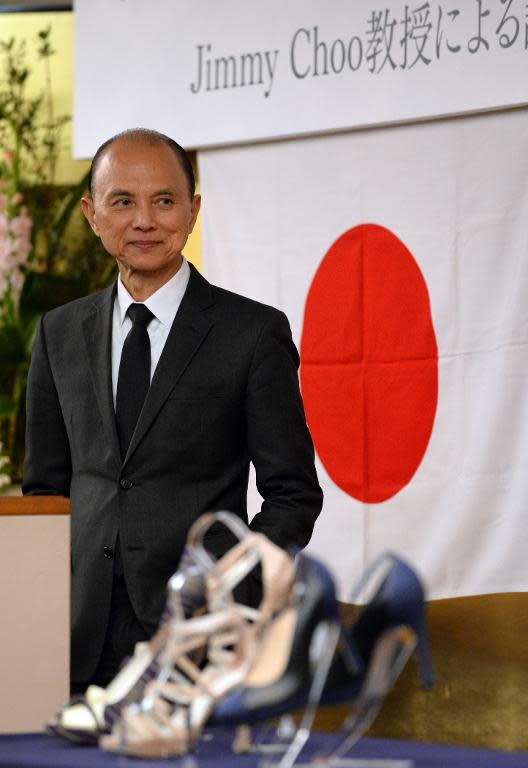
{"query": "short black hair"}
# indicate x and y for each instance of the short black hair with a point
(150, 137)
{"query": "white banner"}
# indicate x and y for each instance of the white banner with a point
(454, 195)
(213, 72)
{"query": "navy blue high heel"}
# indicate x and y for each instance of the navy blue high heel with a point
(386, 631)
(371, 653)
(278, 681)
(397, 600)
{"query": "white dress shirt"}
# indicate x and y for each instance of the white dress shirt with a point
(163, 304)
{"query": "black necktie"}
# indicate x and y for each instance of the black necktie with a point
(134, 374)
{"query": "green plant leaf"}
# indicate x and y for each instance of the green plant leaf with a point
(7, 407)
(70, 204)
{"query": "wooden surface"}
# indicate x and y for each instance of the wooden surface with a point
(35, 615)
(34, 505)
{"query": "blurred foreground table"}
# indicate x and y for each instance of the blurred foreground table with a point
(41, 751)
(35, 610)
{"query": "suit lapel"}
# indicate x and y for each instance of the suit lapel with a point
(188, 331)
(97, 328)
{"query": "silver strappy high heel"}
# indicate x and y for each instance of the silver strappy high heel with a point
(206, 656)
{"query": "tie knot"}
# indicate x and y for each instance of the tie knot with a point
(140, 314)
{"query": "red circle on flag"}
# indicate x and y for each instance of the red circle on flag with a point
(369, 363)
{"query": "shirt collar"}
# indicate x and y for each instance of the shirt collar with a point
(164, 302)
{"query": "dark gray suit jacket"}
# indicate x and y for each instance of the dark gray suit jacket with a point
(225, 392)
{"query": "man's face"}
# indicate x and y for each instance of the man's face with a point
(141, 208)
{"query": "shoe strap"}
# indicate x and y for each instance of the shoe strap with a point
(277, 566)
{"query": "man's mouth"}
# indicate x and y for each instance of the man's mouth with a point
(144, 245)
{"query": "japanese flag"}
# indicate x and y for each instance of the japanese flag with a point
(400, 256)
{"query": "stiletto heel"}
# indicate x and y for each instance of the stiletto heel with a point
(397, 597)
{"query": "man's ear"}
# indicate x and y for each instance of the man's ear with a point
(87, 208)
(195, 209)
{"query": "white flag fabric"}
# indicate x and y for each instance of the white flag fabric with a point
(400, 256)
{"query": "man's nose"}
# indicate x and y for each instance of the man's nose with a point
(143, 216)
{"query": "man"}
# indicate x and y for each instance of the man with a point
(141, 463)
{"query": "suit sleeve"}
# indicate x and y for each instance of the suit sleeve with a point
(279, 442)
(47, 461)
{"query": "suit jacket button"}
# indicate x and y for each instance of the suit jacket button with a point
(108, 552)
(125, 483)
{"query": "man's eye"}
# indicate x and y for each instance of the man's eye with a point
(165, 201)
(123, 202)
